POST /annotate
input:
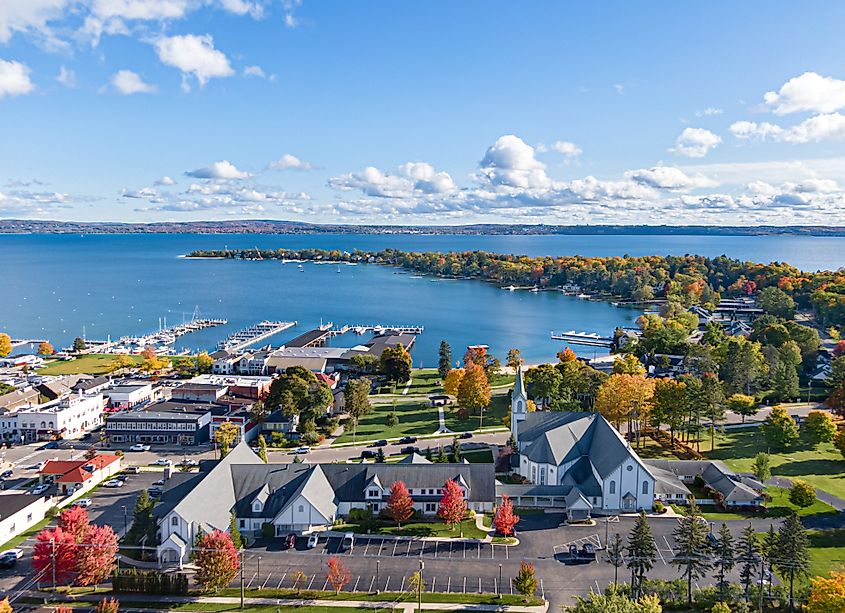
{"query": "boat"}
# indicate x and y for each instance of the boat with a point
(338, 269)
(510, 288)
(534, 289)
(583, 296)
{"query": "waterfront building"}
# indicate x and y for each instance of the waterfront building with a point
(163, 423)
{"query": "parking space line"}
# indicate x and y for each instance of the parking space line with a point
(435, 549)
(507, 552)
(479, 585)
(266, 580)
(367, 547)
(464, 547)
(492, 551)
(312, 580)
(542, 589)
(408, 553)
(433, 582)
(668, 546)
(386, 583)
(252, 579)
(402, 587)
(373, 580)
(450, 549)
(355, 589)
(465, 585)
(449, 584)
(281, 581)
(479, 550)
(326, 584)
(657, 547)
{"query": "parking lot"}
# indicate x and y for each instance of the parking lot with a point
(374, 546)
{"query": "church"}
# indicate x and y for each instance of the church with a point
(578, 456)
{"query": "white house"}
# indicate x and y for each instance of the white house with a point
(69, 418)
(20, 512)
(128, 395)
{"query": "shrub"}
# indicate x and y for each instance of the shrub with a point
(268, 530)
(150, 582)
(392, 419)
(659, 507)
(802, 494)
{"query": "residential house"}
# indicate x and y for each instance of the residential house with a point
(727, 487)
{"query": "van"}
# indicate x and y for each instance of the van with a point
(348, 542)
(133, 470)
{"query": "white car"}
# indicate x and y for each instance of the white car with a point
(40, 489)
(17, 553)
(163, 462)
(113, 483)
(139, 447)
(189, 462)
(312, 541)
(302, 450)
(82, 502)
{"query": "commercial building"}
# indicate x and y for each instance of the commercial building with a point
(164, 423)
(255, 387)
(69, 418)
(76, 476)
(129, 395)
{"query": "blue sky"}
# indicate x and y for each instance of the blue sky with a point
(422, 112)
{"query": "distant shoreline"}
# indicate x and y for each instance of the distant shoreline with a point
(26, 226)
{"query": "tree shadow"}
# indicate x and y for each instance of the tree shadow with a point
(830, 468)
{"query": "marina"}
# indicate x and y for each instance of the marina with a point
(253, 334)
(583, 338)
(162, 342)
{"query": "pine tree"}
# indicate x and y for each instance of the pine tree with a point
(723, 552)
(428, 455)
(235, 534)
(441, 456)
(615, 557)
(380, 459)
(748, 556)
(692, 557)
(262, 448)
(792, 558)
(445, 363)
(455, 454)
(769, 550)
(642, 552)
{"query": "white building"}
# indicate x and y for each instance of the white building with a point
(128, 395)
(69, 418)
(20, 512)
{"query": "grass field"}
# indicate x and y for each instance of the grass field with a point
(416, 418)
(778, 507)
(91, 364)
(499, 407)
(467, 528)
(827, 550)
(822, 466)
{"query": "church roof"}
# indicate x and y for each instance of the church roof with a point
(519, 386)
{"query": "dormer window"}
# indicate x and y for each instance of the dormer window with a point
(373, 494)
(257, 507)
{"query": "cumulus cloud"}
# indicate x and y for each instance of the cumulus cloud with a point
(14, 79)
(29, 16)
(568, 149)
(227, 196)
(165, 180)
(696, 142)
(746, 130)
(807, 92)
(830, 126)
(66, 77)
(194, 55)
(289, 162)
(218, 170)
(708, 111)
(128, 82)
(413, 179)
(254, 71)
(510, 162)
(25, 202)
(668, 177)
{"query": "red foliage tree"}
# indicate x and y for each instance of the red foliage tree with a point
(839, 349)
(337, 573)
(54, 544)
(453, 507)
(400, 506)
(97, 555)
(108, 605)
(505, 519)
(216, 559)
(75, 521)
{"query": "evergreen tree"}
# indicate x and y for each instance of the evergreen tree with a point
(748, 556)
(723, 552)
(615, 557)
(441, 456)
(792, 558)
(234, 533)
(380, 459)
(262, 448)
(642, 552)
(445, 363)
(769, 550)
(455, 454)
(428, 455)
(692, 557)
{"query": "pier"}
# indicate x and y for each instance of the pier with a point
(583, 338)
(382, 328)
(22, 342)
(313, 338)
(249, 336)
(162, 340)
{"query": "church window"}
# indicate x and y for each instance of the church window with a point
(534, 473)
(542, 476)
(645, 487)
(613, 487)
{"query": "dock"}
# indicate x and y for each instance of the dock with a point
(384, 328)
(22, 342)
(583, 338)
(249, 336)
(313, 338)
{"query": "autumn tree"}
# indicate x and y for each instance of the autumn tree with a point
(224, 436)
(216, 559)
(802, 494)
(827, 594)
(780, 429)
(820, 427)
(395, 364)
(474, 389)
(621, 396)
(505, 519)
(670, 405)
(203, 362)
(262, 449)
(97, 555)
(452, 507)
(513, 359)
(5, 607)
(119, 362)
(5, 344)
(525, 582)
(628, 365)
(337, 573)
(356, 397)
(54, 544)
(452, 382)
(74, 521)
(107, 605)
(45, 349)
(400, 506)
(743, 405)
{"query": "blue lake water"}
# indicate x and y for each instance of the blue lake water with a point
(58, 285)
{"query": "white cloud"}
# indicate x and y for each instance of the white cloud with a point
(128, 82)
(14, 79)
(28, 15)
(668, 177)
(242, 7)
(568, 149)
(414, 179)
(818, 128)
(165, 180)
(696, 142)
(289, 162)
(228, 196)
(510, 162)
(254, 71)
(66, 77)
(218, 170)
(620, 89)
(426, 179)
(194, 55)
(291, 21)
(808, 92)
(708, 111)
(746, 130)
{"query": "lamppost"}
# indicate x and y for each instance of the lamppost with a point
(378, 583)
(125, 522)
(259, 569)
(809, 390)
(419, 588)
(499, 587)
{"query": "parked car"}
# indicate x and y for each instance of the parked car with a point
(154, 492)
(408, 439)
(411, 449)
(6, 474)
(367, 454)
(301, 450)
(51, 445)
(312, 541)
(588, 552)
(40, 489)
(122, 478)
(132, 470)
(139, 447)
(7, 561)
(380, 443)
(466, 435)
(16, 553)
(189, 462)
(82, 502)
(290, 541)
(113, 483)
(159, 482)
(573, 552)
(348, 542)
(163, 462)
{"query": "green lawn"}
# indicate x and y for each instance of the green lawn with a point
(827, 551)
(778, 507)
(499, 407)
(478, 456)
(422, 528)
(91, 364)
(822, 466)
(423, 381)
(415, 418)
(502, 379)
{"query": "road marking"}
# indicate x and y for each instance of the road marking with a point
(479, 552)
(373, 580)
(450, 549)
(435, 549)
(507, 552)
(395, 543)
(657, 547)
(449, 584)
(325, 585)
(542, 589)
(278, 587)
(479, 585)
(266, 580)
(402, 587)
(433, 582)
(252, 579)
(386, 582)
(492, 551)
(355, 589)
(465, 585)
(312, 580)
(367, 547)
(408, 553)
(407, 387)
(672, 551)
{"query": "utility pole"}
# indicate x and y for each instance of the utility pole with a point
(762, 577)
(420, 588)
(53, 560)
(242, 577)
(378, 583)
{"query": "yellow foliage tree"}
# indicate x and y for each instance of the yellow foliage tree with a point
(5, 345)
(474, 390)
(621, 395)
(46, 349)
(827, 594)
(453, 381)
(224, 436)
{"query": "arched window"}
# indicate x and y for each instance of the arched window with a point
(519, 406)
(613, 487)
(301, 509)
(645, 487)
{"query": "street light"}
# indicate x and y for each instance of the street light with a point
(259, 569)
(378, 583)
(499, 587)
(125, 522)
(419, 588)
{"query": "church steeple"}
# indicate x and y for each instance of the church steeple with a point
(519, 403)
